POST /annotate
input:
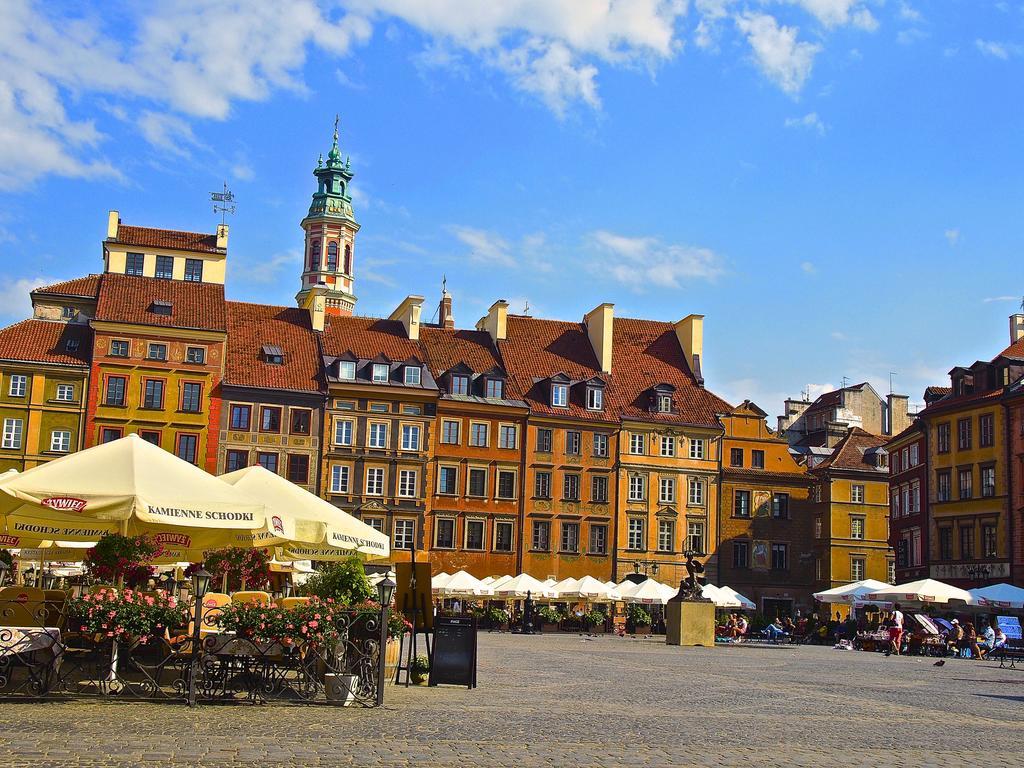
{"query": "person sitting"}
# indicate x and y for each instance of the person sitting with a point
(728, 629)
(1000, 637)
(741, 627)
(954, 636)
(987, 641)
(788, 626)
(970, 641)
(775, 631)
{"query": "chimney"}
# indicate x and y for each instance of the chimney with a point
(897, 413)
(599, 330)
(222, 236)
(496, 321)
(690, 332)
(408, 312)
(444, 311)
(1016, 328)
(113, 222)
(316, 304)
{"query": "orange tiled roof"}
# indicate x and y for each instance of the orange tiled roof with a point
(851, 450)
(447, 347)
(368, 337)
(128, 299)
(250, 327)
(45, 341)
(1014, 350)
(87, 286)
(645, 353)
(166, 238)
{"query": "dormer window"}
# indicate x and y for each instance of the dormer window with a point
(560, 395)
(160, 307)
(380, 373)
(273, 355)
(664, 403)
(71, 345)
(595, 398)
(165, 267)
(495, 388)
(346, 370)
(459, 385)
(412, 375)
(67, 313)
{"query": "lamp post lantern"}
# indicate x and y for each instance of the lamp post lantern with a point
(200, 586)
(385, 592)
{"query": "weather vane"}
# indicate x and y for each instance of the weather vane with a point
(223, 203)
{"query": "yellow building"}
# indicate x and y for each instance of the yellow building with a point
(851, 513)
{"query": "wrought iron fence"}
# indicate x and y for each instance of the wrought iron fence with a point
(49, 652)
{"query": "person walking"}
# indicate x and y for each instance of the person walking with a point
(896, 630)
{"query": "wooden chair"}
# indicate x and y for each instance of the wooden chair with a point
(292, 602)
(56, 607)
(251, 598)
(22, 607)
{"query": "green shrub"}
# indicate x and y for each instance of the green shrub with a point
(637, 615)
(548, 614)
(344, 581)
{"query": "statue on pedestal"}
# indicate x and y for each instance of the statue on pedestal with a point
(691, 588)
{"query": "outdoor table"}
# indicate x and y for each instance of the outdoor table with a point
(21, 641)
(233, 664)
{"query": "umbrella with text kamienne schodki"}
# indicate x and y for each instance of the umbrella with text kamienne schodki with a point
(132, 487)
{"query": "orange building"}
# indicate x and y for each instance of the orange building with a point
(765, 517)
(475, 520)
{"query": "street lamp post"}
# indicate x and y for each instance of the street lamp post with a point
(385, 591)
(200, 586)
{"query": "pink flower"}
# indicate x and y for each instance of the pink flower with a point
(316, 616)
(315, 624)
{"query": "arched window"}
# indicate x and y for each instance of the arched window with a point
(348, 259)
(332, 257)
(314, 255)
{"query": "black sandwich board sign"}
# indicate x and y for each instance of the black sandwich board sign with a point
(453, 656)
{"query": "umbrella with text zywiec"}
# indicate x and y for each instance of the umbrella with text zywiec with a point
(132, 487)
(999, 596)
(850, 593)
(923, 592)
(312, 528)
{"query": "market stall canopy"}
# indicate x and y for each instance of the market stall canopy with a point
(132, 487)
(313, 529)
(923, 591)
(999, 596)
(731, 594)
(650, 592)
(588, 588)
(849, 593)
(520, 586)
(438, 581)
(626, 588)
(463, 584)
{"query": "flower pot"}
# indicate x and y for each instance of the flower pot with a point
(341, 688)
(552, 627)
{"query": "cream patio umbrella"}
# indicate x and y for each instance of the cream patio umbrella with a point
(313, 529)
(743, 602)
(463, 584)
(626, 588)
(132, 487)
(650, 592)
(588, 589)
(999, 596)
(923, 591)
(520, 586)
(848, 593)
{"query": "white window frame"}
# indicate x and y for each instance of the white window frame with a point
(473, 441)
(560, 395)
(69, 390)
(667, 490)
(347, 370)
(14, 432)
(408, 535)
(381, 373)
(695, 492)
(412, 375)
(595, 398)
(637, 443)
(695, 529)
(636, 539)
(341, 478)
(18, 385)
(637, 487)
(408, 483)
(503, 431)
(862, 562)
(600, 438)
(410, 437)
(668, 445)
(374, 431)
(60, 441)
(857, 527)
(340, 431)
(445, 423)
(697, 447)
(914, 455)
(857, 493)
(666, 535)
(378, 474)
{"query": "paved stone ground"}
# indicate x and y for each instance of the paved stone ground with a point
(563, 700)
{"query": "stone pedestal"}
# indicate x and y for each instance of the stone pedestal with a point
(690, 623)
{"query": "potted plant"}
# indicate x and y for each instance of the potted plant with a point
(638, 620)
(126, 616)
(593, 620)
(344, 581)
(495, 618)
(239, 567)
(419, 670)
(548, 618)
(122, 559)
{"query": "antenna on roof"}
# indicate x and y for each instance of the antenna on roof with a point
(526, 307)
(223, 203)
(845, 379)
(891, 374)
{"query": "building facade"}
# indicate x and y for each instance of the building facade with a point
(908, 502)
(765, 517)
(272, 394)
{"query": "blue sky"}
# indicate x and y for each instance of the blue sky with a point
(835, 184)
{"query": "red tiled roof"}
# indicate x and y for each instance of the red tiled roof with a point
(166, 238)
(953, 402)
(850, 452)
(829, 399)
(127, 299)
(367, 337)
(250, 327)
(938, 391)
(446, 347)
(44, 341)
(1014, 350)
(647, 352)
(87, 286)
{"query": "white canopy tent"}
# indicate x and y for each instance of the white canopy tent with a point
(850, 593)
(650, 592)
(626, 588)
(588, 589)
(924, 591)
(731, 594)
(439, 581)
(999, 596)
(520, 586)
(463, 584)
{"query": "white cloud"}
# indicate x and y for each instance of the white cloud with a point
(14, 295)
(268, 271)
(997, 50)
(814, 391)
(642, 262)
(808, 267)
(994, 299)
(910, 36)
(780, 56)
(810, 121)
(909, 13)
(485, 247)
(168, 132)
(835, 13)
(952, 236)
(838, 336)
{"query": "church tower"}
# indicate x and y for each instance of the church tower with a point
(330, 228)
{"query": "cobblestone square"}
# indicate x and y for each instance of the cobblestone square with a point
(567, 700)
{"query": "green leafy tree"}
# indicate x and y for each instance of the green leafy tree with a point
(344, 581)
